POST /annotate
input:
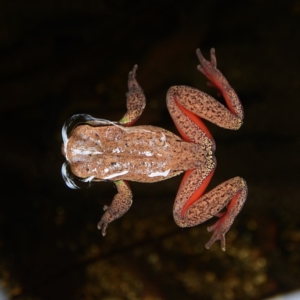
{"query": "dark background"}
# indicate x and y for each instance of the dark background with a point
(58, 58)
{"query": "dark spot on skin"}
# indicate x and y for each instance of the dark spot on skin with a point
(113, 163)
(126, 145)
(87, 169)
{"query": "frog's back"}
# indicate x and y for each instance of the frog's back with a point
(140, 153)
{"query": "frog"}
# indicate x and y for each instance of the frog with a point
(102, 150)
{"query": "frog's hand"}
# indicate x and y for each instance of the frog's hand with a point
(119, 206)
(192, 207)
(136, 100)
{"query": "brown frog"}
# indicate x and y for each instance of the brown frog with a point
(102, 150)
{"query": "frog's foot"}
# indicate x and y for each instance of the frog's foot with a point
(227, 216)
(209, 69)
(220, 228)
(217, 80)
(119, 206)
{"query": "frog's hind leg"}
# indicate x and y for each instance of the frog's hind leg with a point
(186, 105)
(136, 100)
(194, 102)
(119, 206)
(193, 207)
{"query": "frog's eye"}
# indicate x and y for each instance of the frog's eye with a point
(71, 123)
(75, 120)
(67, 176)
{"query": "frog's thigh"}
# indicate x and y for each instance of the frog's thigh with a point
(190, 126)
(204, 106)
(120, 205)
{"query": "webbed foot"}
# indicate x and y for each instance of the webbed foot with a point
(219, 229)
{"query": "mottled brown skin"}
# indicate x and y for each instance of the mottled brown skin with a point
(149, 154)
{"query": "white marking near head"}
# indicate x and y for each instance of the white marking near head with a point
(65, 139)
(88, 179)
(117, 150)
(115, 174)
(84, 151)
(148, 153)
(64, 133)
(164, 174)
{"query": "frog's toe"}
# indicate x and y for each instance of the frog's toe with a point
(215, 237)
(132, 73)
(218, 234)
(102, 225)
(105, 220)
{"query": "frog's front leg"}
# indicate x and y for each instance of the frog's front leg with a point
(136, 100)
(119, 206)
(192, 207)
